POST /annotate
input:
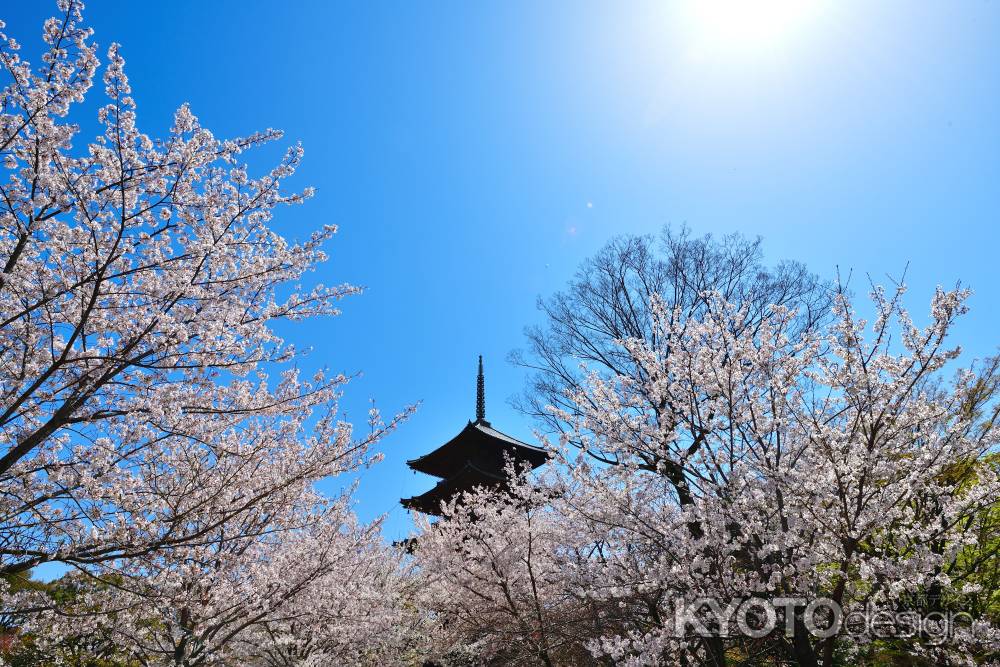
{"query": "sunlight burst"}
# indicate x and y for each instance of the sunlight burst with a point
(743, 26)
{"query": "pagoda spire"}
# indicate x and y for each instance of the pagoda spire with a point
(480, 393)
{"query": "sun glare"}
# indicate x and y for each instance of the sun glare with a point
(743, 27)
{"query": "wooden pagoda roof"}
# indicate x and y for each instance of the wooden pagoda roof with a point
(464, 480)
(480, 445)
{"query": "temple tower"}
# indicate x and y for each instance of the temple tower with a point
(474, 457)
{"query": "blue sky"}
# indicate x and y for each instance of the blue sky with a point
(474, 153)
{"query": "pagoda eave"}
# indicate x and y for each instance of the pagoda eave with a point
(467, 479)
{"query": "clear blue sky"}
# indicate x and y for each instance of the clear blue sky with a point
(459, 144)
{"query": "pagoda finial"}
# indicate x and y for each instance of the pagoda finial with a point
(480, 393)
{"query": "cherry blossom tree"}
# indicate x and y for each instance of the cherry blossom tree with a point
(777, 464)
(159, 438)
(800, 466)
(363, 612)
(312, 587)
(495, 569)
(140, 283)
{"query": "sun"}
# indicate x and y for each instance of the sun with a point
(744, 27)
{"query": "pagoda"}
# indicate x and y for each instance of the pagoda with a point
(475, 457)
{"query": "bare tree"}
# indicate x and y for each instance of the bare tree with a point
(609, 300)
